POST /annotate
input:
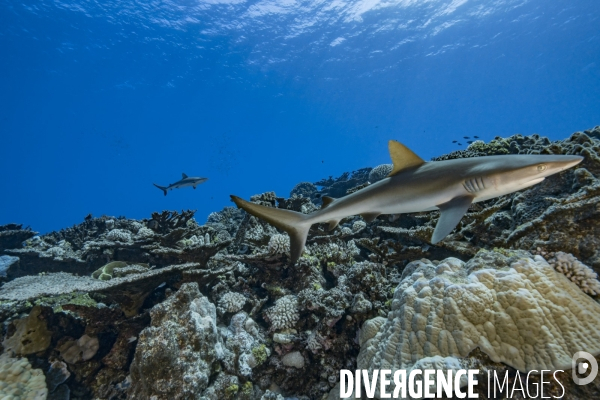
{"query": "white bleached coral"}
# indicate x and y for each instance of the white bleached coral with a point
(19, 381)
(119, 235)
(579, 273)
(144, 232)
(231, 302)
(284, 314)
(293, 359)
(524, 314)
(358, 226)
(279, 244)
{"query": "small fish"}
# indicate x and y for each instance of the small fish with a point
(185, 181)
(466, 137)
(476, 137)
(460, 144)
(469, 141)
(455, 141)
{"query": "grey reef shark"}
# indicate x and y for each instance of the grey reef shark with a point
(414, 186)
(185, 181)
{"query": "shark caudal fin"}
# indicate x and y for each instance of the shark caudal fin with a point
(294, 223)
(164, 189)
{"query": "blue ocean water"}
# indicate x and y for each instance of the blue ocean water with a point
(99, 100)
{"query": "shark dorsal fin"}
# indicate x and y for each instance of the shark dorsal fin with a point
(183, 176)
(402, 157)
(326, 201)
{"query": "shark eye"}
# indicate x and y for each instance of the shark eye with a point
(541, 167)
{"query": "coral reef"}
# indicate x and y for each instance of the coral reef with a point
(12, 235)
(165, 307)
(339, 187)
(517, 309)
(5, 263)
(178, 353)
(84, 248)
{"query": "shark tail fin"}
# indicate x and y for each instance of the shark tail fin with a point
(294, 223)
(164, 189)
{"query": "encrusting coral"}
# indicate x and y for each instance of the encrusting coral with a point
(31, 334)
(82, 349)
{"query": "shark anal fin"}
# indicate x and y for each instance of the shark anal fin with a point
(402, 157)
(326, 201)
(451, 213)
(370, 217)
(333, 224)
(183, 176)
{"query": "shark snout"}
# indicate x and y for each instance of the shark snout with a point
(570, 161)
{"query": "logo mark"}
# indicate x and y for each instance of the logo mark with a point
(582, 367)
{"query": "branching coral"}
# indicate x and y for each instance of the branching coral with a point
(279, 244)
(284, 314)
(579, 273)
(231, 302)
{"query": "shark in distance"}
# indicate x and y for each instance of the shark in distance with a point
(185, 181)
(414, 185)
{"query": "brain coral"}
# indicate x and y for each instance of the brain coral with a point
(524, 314)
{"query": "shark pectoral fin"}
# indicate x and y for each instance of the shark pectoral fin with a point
(326, 201)
(333, 224)
(370, 217)
(194, 187)
(450, 215)
(402, 157)
(183, 176)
